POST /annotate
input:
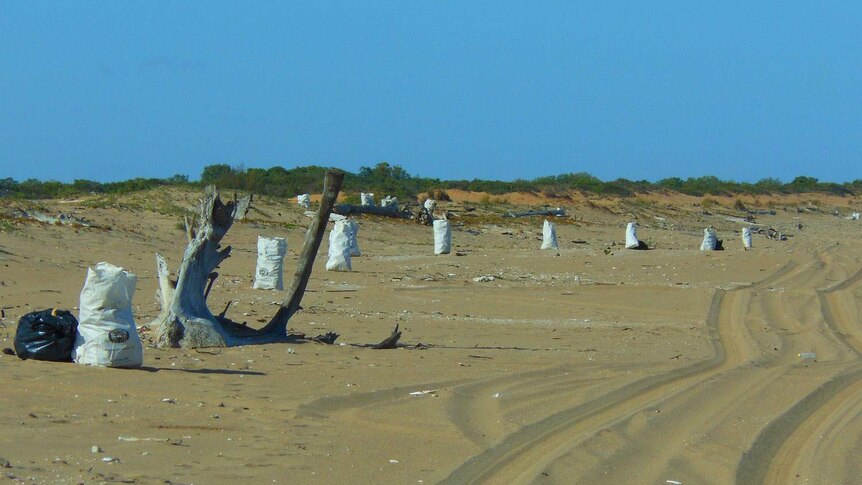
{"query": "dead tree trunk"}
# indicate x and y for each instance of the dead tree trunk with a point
(243, 205)
(186, 321)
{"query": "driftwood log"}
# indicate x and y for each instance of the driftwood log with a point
(389, 211)
(389, 342)
(540, 212)
(424, 216)
(185, 320)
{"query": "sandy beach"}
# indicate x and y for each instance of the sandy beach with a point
(590, 364)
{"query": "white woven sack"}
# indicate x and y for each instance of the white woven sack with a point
(746, 237)
(549, 235)
(632, 241)
(709, 240)
(354, 231)
(107, 335)
(366, 199)
(430, 204)
(270, 263)
(304, 200)
(389, 202)
(442, 237)
(339, 247)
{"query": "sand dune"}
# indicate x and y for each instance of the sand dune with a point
(591, 364)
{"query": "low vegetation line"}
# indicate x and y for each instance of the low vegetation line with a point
(386, 179)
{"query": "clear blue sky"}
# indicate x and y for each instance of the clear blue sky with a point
(113, 90)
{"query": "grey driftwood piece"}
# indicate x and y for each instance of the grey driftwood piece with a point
(243, 205)
(542, 212)
(64, 219)
(390, 342)
(185, 321)
(389, 211)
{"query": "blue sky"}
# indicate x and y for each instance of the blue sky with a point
(455, 90)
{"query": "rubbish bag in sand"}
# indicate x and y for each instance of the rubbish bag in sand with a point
(339, 247)
(354, 231)
(106, 330)
(270, 263)
(389, 201)
(632, 241)
(430, 204)
(549, 235)
(442, 237)
(709, 240)
(366, 199)
(746, 237)
(46, 335)
(304, 200)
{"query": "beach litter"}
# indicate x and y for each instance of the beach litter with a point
(270, 263)
(107, 334)
(442, 237)
(549, 235)
(46, 335)
(339, 247)
(133, 438)
(427, 392)
(304, 200)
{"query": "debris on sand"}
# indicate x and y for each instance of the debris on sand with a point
(61, 219)
(427, 392)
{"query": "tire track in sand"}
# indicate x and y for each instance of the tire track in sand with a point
(524, 453)
(801, 443)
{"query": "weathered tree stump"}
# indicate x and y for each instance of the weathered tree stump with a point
(185, 320)
(243, 205)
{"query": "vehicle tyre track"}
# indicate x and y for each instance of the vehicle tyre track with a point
(535, 445)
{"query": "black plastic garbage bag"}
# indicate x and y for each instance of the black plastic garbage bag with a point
(46, 335)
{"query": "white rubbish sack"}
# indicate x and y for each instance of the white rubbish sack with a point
(442, 237)
(366, 199)
(339, 247)
(430, 204)
(354, 244)
(746, 237)
(270, 263)
(304, 200)
(107, 335)
(389, 202)
(854, 216)
(549, 235)
(709, 240)
(632, 241)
